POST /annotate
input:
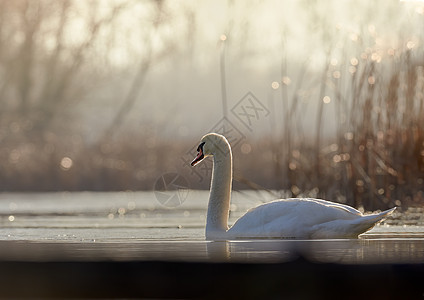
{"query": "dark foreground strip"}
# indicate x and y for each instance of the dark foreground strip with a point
(299, 279)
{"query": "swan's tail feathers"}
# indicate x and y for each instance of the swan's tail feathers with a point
(351, 228)
(369, 221)
(385, 213)
(378, 216)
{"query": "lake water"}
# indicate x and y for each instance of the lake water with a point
(136, 226)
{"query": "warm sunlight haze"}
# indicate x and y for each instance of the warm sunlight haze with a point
(210, 149)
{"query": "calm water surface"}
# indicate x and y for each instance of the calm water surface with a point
(136, 226)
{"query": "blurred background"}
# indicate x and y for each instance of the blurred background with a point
(318, 98)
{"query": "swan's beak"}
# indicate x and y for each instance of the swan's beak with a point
(199, 156)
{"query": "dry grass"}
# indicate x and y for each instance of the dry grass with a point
(376, 159)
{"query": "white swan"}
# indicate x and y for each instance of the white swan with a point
(290, 218)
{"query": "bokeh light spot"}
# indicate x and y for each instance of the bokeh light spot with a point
(66, 163)
(326, 99)
(354, 61)
(410, 45)
(246, 148)
(354, 37)
(348, 136)
(336, 74)
(286, 80)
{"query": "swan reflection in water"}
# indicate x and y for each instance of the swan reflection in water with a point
(343, 251)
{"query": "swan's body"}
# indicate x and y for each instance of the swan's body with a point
(290, 218)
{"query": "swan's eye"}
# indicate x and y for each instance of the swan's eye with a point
(199, 156)
(200, 148)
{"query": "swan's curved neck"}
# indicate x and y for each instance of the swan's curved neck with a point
(220, 194)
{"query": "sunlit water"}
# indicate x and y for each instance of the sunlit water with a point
(136, 226)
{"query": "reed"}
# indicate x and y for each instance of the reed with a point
(376, 159)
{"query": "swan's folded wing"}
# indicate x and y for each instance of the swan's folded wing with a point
(256, 220)
(290, 218)
(337, 205)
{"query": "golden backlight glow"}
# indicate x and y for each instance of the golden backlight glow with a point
(111, 94)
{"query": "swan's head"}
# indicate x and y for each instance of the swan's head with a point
(211, 144)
